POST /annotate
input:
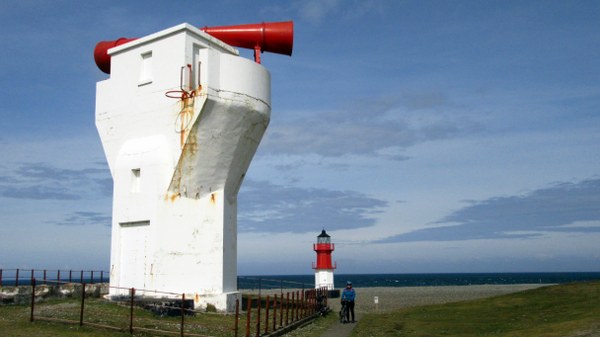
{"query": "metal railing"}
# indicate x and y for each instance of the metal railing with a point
(299, 307)
(164, 313)
(18, 276)
(169, 313)
(22, 276)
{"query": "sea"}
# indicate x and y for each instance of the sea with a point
(415, 280)
(367, 280)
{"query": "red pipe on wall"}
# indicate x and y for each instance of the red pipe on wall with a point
(274, 37)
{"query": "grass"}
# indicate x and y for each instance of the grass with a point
(14, 320)
(571, 310)
(316, 328)
(563, 310)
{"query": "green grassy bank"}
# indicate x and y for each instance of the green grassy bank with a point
(15, 320)
(570, 310)
(563, 310)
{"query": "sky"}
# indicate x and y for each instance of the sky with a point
(424, 136)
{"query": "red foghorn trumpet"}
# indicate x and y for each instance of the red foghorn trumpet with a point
(274, 37)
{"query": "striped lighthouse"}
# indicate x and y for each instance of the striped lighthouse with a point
(324, 268)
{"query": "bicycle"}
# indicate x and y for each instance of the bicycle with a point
(344, 313)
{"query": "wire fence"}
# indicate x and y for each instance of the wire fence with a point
(18, 276)
(168, 313)
(276, 282)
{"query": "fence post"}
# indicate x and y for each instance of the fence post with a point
(293, 305)
(302, 302)
(298, 304)
(92, 277)
(44, 276)
(58, 276)
(306, 302)
(281, 311)
(102, 276)
(32, 274)
(70, 276)
(0, 277)
(316, 300)
(267, 315)
(301, 299)
(295, 314)
(323, 297)
(258, 314)
(82, 303)
(32, 299)
(311, 301)
(299, 310)
(81, 278)
(182, 313)
(131, 311)
(17, 278)
(312, 296)
(287, 309)
(237, 317)
(275, 313)
(248, 315)
(317, 297)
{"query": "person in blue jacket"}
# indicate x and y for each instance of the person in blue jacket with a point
(348, 297)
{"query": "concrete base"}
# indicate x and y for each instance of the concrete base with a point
(224, 302)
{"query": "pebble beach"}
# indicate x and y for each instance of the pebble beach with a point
(391, 298)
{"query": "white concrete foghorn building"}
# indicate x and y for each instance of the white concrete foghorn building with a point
(180, 118)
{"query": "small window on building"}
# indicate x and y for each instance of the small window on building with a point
(131, 224)
(135, 180)
(146, 68)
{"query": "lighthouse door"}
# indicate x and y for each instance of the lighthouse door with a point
(134, 238)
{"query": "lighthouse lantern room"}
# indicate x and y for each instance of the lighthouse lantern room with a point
(324, 268)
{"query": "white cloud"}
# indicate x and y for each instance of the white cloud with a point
(552, 209)
(269, 208)
(380, 126)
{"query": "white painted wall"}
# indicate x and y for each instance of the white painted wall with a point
(178, 166)
(324, 279)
